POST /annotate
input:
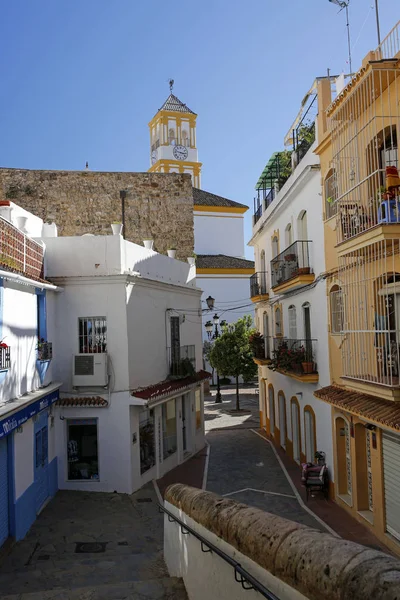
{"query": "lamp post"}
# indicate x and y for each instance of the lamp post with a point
(209, 328)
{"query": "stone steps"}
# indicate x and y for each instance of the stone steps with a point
(83, 570)
(167, 588)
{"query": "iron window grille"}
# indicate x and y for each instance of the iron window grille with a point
(92, 335)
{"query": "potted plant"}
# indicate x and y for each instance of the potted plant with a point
(148, 243)
(116, 228)
(192, 259)
(171, 252)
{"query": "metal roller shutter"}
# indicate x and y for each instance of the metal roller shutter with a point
(4, 518)
(391, 470)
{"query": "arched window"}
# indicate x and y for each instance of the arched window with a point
(185, 138)
(282, 418)
(267, 348)
(171, 136)
(271, 410)
(310, 433)
(292, 322)
(275, 246)
(302, 230)
(278, 321)
(288, 235)
(336, 308)
(296, 432)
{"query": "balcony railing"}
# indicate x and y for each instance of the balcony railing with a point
(292, 262)
(259, 284)
(182, 360)
(45, 351)
(5, 357)
(258, 210)
(390, 46)
(18, 252)
(155, 145)
(295, 356)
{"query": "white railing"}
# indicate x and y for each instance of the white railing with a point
(390, 46)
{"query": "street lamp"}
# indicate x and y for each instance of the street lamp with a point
(209, 329)
(210, 302)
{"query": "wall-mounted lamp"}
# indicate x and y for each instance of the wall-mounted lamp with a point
(62, 418)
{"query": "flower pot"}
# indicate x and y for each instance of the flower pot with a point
(116, 228)
(171, 253)
(191, 260)
(308, 367)
(148, 244)
(21, 223)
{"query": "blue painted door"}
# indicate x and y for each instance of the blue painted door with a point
(4, 517)
(41, 460)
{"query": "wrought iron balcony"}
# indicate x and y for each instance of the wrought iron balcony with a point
(5, 357)
(182, 360)
(295, 357)
(259, 284)
(261, 347)
(291, 263)
(257, 211)
(18, 252)
(44, 351)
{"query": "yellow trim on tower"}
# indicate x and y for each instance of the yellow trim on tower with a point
(226, 209)
(248, 271)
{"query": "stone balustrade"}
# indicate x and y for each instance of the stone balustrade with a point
(313, 564)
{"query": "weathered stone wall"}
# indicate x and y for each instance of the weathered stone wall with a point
(315, 564)
(158, 205)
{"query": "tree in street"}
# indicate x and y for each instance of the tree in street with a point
(231, 353)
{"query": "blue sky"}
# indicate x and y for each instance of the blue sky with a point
(80, 80)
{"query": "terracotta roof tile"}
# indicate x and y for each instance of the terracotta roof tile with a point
(203, 198)
(164, 388)
(222, 261)
(87, 401)
(373, 408)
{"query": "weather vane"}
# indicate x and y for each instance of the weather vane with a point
(171, 85)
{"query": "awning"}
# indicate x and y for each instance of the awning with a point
(366, 406)
(270, 171)
(84, 402)
(166, 388)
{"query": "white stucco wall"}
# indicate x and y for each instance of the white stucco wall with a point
(218, 233)
(23, 458)
(19, 331)
(148, 328)
(302, 192)
(205, 574)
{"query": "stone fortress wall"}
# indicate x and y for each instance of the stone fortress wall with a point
(158, 205)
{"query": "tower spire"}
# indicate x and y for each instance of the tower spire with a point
(171, 85)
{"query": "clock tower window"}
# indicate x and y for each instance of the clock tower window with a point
(185, 141)
(171, 136)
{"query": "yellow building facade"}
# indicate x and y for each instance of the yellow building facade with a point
(359, 159)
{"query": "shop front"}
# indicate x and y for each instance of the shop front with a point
(28, 464)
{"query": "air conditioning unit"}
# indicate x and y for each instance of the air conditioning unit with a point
(90, 370)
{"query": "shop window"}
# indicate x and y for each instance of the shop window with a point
(336, 305)
(169, 428)
(147, 440)
(92, 335)
(198, 409)
(82, 449)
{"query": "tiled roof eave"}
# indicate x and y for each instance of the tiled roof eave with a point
(82, 402)
(165, 389)
(372, 408)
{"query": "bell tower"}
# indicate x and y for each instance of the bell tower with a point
(173, 139)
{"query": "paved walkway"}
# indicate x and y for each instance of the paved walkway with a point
(124, 559)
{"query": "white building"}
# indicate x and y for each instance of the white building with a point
(290, 295)
(125, 329)
(218, 222)
(28, 387)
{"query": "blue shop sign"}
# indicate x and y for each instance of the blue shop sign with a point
(8, 424)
